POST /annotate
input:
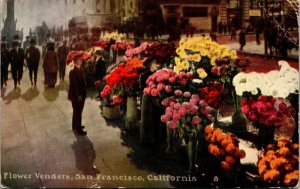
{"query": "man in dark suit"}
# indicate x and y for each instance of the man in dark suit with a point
(17, 61)
(77, 94)
(5, 58)
(33, 59)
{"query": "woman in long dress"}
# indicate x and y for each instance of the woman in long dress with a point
(50, 65)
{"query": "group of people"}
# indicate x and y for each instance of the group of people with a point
(17, 57)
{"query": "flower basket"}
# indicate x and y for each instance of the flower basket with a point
(111, 112)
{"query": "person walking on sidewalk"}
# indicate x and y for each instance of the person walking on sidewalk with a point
(242, 39)
(62, 53)
(50, 65)
(17, 56)
(33, 56)
(77, 94)
(5, 57)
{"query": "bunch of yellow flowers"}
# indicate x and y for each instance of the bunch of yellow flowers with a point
(193, 49)
(114, 36)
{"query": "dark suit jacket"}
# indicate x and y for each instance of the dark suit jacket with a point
(100, 69)
(17, 58)
(32, 56)
(77, 85)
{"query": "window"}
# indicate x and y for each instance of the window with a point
(254, 4)
(233, 4)
(195, 11)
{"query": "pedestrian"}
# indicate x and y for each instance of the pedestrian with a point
(220, 27)
(213, 36)
(50, 65)
(233, 33)
(33, 56)
(77, 94)
(26, 43)
(100, 71)
(17, 57)
(5, 58)
(257, 33)
(62, 53)
(242, 39)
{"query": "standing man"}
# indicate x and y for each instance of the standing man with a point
(26, 43)
(242, 39)
(5, 57)
(33, 59)
(77, 94)
(17, 61)
(62, 53)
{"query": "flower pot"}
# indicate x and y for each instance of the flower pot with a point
(238, 118)
(111, 112)
(131, 116)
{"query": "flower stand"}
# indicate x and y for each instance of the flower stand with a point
(146, 129)
(131, 116)
(192, 152)
(265, 136)
(238, 118)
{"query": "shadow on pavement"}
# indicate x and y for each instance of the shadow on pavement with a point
(51, 94)
(30, 94)
(63, 86)
(85, 155)
(12, 95)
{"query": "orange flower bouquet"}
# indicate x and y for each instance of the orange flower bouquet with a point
(279, 164)
(224, 146)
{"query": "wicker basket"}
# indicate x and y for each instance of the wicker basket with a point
(111, 112)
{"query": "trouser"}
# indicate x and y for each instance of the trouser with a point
(62, 70)
(4, 73)
(17, 74)
(33, 70)
(77, 114)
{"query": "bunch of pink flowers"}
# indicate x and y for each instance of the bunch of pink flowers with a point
(186, 109)
(166, 81)
(131, 52)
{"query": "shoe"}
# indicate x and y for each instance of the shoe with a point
(82, 126)
(81, 132)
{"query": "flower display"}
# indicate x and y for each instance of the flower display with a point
(213, 94)
(114, 36)
(279, 163)
(224, 146)
(163, 82)
(122, 45)
(131, 52)
(103, 44)
(275, 83)
(188, 113)
(123, 80)
(267, 110)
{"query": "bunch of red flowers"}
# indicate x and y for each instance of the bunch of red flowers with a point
(160, 49)
(267, 110)
(105, 92)
(122, 45)
(103, 44)
(213, 94)
(225, 146)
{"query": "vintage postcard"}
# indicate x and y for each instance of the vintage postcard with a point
(149, 93)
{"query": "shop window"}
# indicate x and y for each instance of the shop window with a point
(233, 4)
(195, 11)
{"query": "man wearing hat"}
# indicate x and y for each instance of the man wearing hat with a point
(77, 93)
(5, 57)
(17, 61)
(32, 56)
(62, 53)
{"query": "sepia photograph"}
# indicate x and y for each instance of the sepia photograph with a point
(149, 93)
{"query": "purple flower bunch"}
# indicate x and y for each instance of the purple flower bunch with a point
(166, 81)
(187, 110)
